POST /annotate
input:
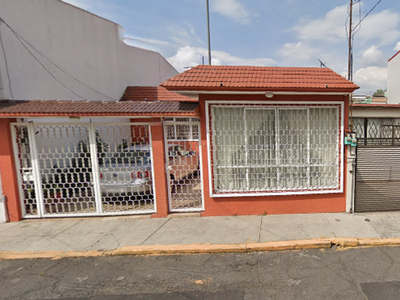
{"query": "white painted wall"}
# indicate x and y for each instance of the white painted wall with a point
(394, 80)
(87, 46)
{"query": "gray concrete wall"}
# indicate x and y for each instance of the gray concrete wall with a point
(393, 80)
(87, 46)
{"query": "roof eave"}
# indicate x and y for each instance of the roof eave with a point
(216, 90)
(129, 115)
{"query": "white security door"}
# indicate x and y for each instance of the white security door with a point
(183, 164)
(84, 169)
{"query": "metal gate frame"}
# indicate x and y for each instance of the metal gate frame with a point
(167, 171)
(95, 169)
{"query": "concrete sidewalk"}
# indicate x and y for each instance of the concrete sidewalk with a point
(143, 235)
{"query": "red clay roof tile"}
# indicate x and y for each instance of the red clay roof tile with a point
(231, 78)
(16, 108)
(152, 93)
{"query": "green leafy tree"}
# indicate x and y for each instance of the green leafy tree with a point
(379, 92)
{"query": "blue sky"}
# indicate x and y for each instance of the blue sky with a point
(261, 32)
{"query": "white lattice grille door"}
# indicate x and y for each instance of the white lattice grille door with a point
(23, 159)
(125, 165)
(183, 164)
(81, 170)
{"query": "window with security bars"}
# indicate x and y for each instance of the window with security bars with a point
(274, 149)
(377, 128)
(182, 128)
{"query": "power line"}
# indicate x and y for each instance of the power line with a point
(6, 65)
(359, 23)
(44, 67)
(21, 37)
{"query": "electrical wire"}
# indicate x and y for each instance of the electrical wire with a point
(21, 38)
(47, 70)
(6, 65)
(359, 23)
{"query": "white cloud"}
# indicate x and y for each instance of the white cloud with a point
(370, 79)
(232, 9)
(373, 56)
(382, 26)
(79, 3)
(186, 57)
(397, 47)
(330, 28)
(141, 40)
(184, 36)
(298, 54)
(192, 56)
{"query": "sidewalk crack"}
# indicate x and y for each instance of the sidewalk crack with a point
(111, 233)
(330, 225)
(377, 232)
(162, 225)
(259, 232)
(58, 233)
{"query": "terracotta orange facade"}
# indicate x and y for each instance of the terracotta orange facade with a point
(8, 171)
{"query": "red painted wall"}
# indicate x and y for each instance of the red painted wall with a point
(160, 178)
(258, 205)
(8, 172)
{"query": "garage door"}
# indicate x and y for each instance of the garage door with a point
(377, 178)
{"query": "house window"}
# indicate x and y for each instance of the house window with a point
(274, 150)
(182, 129)
(375, 128)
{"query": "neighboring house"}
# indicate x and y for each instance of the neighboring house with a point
(272, 139)
(393, 86)
(377, 127)
(53, 50)
(368, 99)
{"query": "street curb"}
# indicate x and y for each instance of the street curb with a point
(339, 243)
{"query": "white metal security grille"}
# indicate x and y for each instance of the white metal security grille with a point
(274, 150)
(65, 168)
(79, 169)
(23, 157)
(126, 171)
(377, 132)
(183, 156)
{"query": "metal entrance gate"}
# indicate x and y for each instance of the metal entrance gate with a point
(84, 169)
(377, 175)
(183, 157)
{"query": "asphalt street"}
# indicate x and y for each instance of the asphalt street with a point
(369, 273)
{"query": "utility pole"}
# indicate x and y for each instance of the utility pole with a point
(350, 65)
(208, 33)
